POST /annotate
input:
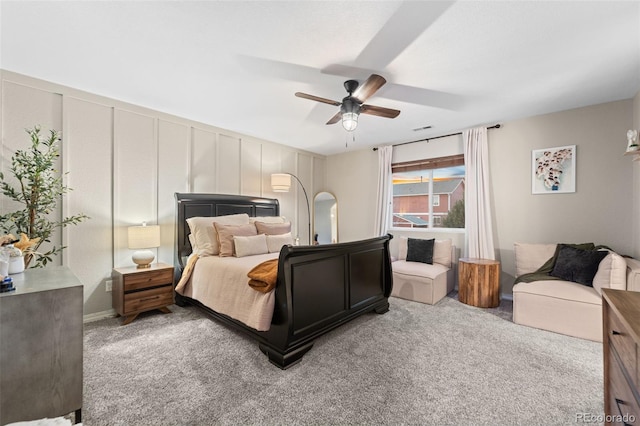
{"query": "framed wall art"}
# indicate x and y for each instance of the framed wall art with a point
(553, 170)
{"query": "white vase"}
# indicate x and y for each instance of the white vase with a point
(16, 264)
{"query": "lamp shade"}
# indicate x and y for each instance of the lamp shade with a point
(280, 182)
(142, 238)
(145, 236)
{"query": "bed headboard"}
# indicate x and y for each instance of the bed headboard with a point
(191, 205)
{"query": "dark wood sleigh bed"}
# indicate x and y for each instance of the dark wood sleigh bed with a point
(318, 287)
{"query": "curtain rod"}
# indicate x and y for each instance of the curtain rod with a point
(497, 126)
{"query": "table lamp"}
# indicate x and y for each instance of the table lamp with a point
(142, 238)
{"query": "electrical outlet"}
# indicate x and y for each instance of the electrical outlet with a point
(108, 284)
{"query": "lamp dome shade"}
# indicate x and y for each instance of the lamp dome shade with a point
(280, 182)
(145, 236)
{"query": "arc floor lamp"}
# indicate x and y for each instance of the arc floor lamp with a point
(281, 182)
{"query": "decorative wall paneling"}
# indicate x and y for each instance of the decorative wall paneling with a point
(174, 151)
(25, 106)
(228, 164)
(87, 151)
(203, 160)
(305, 174)
(125, 162)
(319, 176)
(288, 200)
(250, 168)
(135, 177)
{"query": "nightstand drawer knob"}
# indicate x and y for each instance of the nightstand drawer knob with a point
(149, 298)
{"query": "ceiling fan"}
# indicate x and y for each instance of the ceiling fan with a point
(353, 104)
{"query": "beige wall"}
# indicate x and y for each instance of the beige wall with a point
(352, 178)
(601, 210)
(126, 162)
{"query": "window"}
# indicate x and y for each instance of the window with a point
(429, 193)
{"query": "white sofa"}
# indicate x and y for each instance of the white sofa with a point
(422, 282)
(563, 306)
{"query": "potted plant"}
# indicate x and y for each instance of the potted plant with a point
(38, 187)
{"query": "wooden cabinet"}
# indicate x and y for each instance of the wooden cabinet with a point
(41, 346)
(479, 282)
(137, 290)
(621, 336)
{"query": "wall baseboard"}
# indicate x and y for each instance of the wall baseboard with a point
(111, 313)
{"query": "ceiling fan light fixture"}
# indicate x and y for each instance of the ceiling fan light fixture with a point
(350, 121)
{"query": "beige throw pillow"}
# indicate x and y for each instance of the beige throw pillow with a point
(273, 228)
(530, 257)
(402, 248)
(204, 233)
(226, 234)
(442, 252)
(612, 273)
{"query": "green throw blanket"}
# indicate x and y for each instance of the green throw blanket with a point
(544, 272)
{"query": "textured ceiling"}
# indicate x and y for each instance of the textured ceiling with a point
(237, 64)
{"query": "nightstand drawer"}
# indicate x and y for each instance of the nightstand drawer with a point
(623, 344)
(148, 299)
(148, 279)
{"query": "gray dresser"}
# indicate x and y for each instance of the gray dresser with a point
(41, 346)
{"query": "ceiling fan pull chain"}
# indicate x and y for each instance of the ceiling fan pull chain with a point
(346, 139)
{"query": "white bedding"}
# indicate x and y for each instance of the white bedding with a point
(221, 283)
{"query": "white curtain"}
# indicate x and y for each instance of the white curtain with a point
(477, 206)
(383, 198)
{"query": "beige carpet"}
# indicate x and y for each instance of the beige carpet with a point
(417, 364)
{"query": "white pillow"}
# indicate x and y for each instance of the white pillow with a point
(249, 246)
(275, 242)
(402, 248)
(612, 273)
(530, 257)
(205, 235)
(226, 234)
(442, 252)
(267, 219)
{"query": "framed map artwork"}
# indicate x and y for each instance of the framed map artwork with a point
(553, 170)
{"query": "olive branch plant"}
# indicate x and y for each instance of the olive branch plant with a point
(39, 189)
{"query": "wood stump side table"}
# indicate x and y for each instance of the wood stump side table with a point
(479, 282)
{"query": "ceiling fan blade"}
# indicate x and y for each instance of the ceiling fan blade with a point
(369, 87)
(407, 24)
(335, 118)
(317, 99)
(379, 111)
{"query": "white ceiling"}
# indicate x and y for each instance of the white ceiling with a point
(237, 64)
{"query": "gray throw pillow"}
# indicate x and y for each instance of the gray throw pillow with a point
(420, 250)
(577, 265)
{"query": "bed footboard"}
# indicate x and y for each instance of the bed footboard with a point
(322, 287)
